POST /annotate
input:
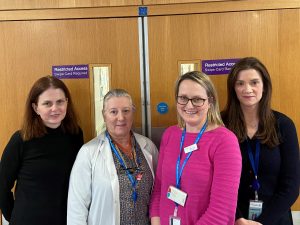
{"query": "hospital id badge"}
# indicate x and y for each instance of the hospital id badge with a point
(174, 220)
(255, 209)
(176, 195)
(190, 148)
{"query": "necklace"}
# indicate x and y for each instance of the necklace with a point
(127, 150)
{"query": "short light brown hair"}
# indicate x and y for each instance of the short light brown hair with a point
(213, 116)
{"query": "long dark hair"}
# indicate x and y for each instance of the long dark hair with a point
(33, 125)
(233, 116)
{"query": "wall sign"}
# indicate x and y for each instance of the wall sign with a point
(219, 66)
(162, 108)
(70, 71)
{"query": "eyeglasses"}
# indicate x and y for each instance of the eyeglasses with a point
(183, 100)
(131, 170)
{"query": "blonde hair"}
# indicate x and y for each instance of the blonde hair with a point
(213, 115)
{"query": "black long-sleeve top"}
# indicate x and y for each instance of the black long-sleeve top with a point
(278, 175)
(41, 168)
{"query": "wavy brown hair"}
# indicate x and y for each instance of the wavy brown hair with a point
(233, 116)
(33, 126)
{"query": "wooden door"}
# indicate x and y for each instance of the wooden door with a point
(270, 35)
(29, 49)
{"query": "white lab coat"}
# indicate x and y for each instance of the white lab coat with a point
(94, 186)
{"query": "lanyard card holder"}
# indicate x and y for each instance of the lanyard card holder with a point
(255, 209)
(176, 195)
(174, 220)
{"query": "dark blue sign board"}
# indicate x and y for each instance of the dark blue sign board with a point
(219, 66)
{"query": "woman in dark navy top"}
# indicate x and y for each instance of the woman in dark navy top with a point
(39, 157)
(268, 140)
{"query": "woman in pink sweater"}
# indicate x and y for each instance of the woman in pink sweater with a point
(199, 166)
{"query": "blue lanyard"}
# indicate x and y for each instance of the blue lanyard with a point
(178, 170)
(130, 177)
(254, 162)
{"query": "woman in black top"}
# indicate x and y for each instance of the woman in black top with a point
(39, 157)
(269, 147)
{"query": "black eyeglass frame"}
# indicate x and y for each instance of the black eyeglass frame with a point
(192, 101)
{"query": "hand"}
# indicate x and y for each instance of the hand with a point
(243, 221)
(155, 220)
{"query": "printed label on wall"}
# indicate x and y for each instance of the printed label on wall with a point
(70, 71)
(218, 66)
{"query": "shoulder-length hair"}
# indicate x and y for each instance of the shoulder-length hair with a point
(233, 115)
(213, 115)
(33, 126)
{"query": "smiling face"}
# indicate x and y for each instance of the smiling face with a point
(194, 116)
(118, 116)
(249, 88)
(51, 107)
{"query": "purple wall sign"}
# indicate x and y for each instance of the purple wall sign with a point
(219, 66)
(70, 71)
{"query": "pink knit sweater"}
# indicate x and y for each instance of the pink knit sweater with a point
(210, 178)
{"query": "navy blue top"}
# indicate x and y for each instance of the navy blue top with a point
(278, 175)
(41, 167)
